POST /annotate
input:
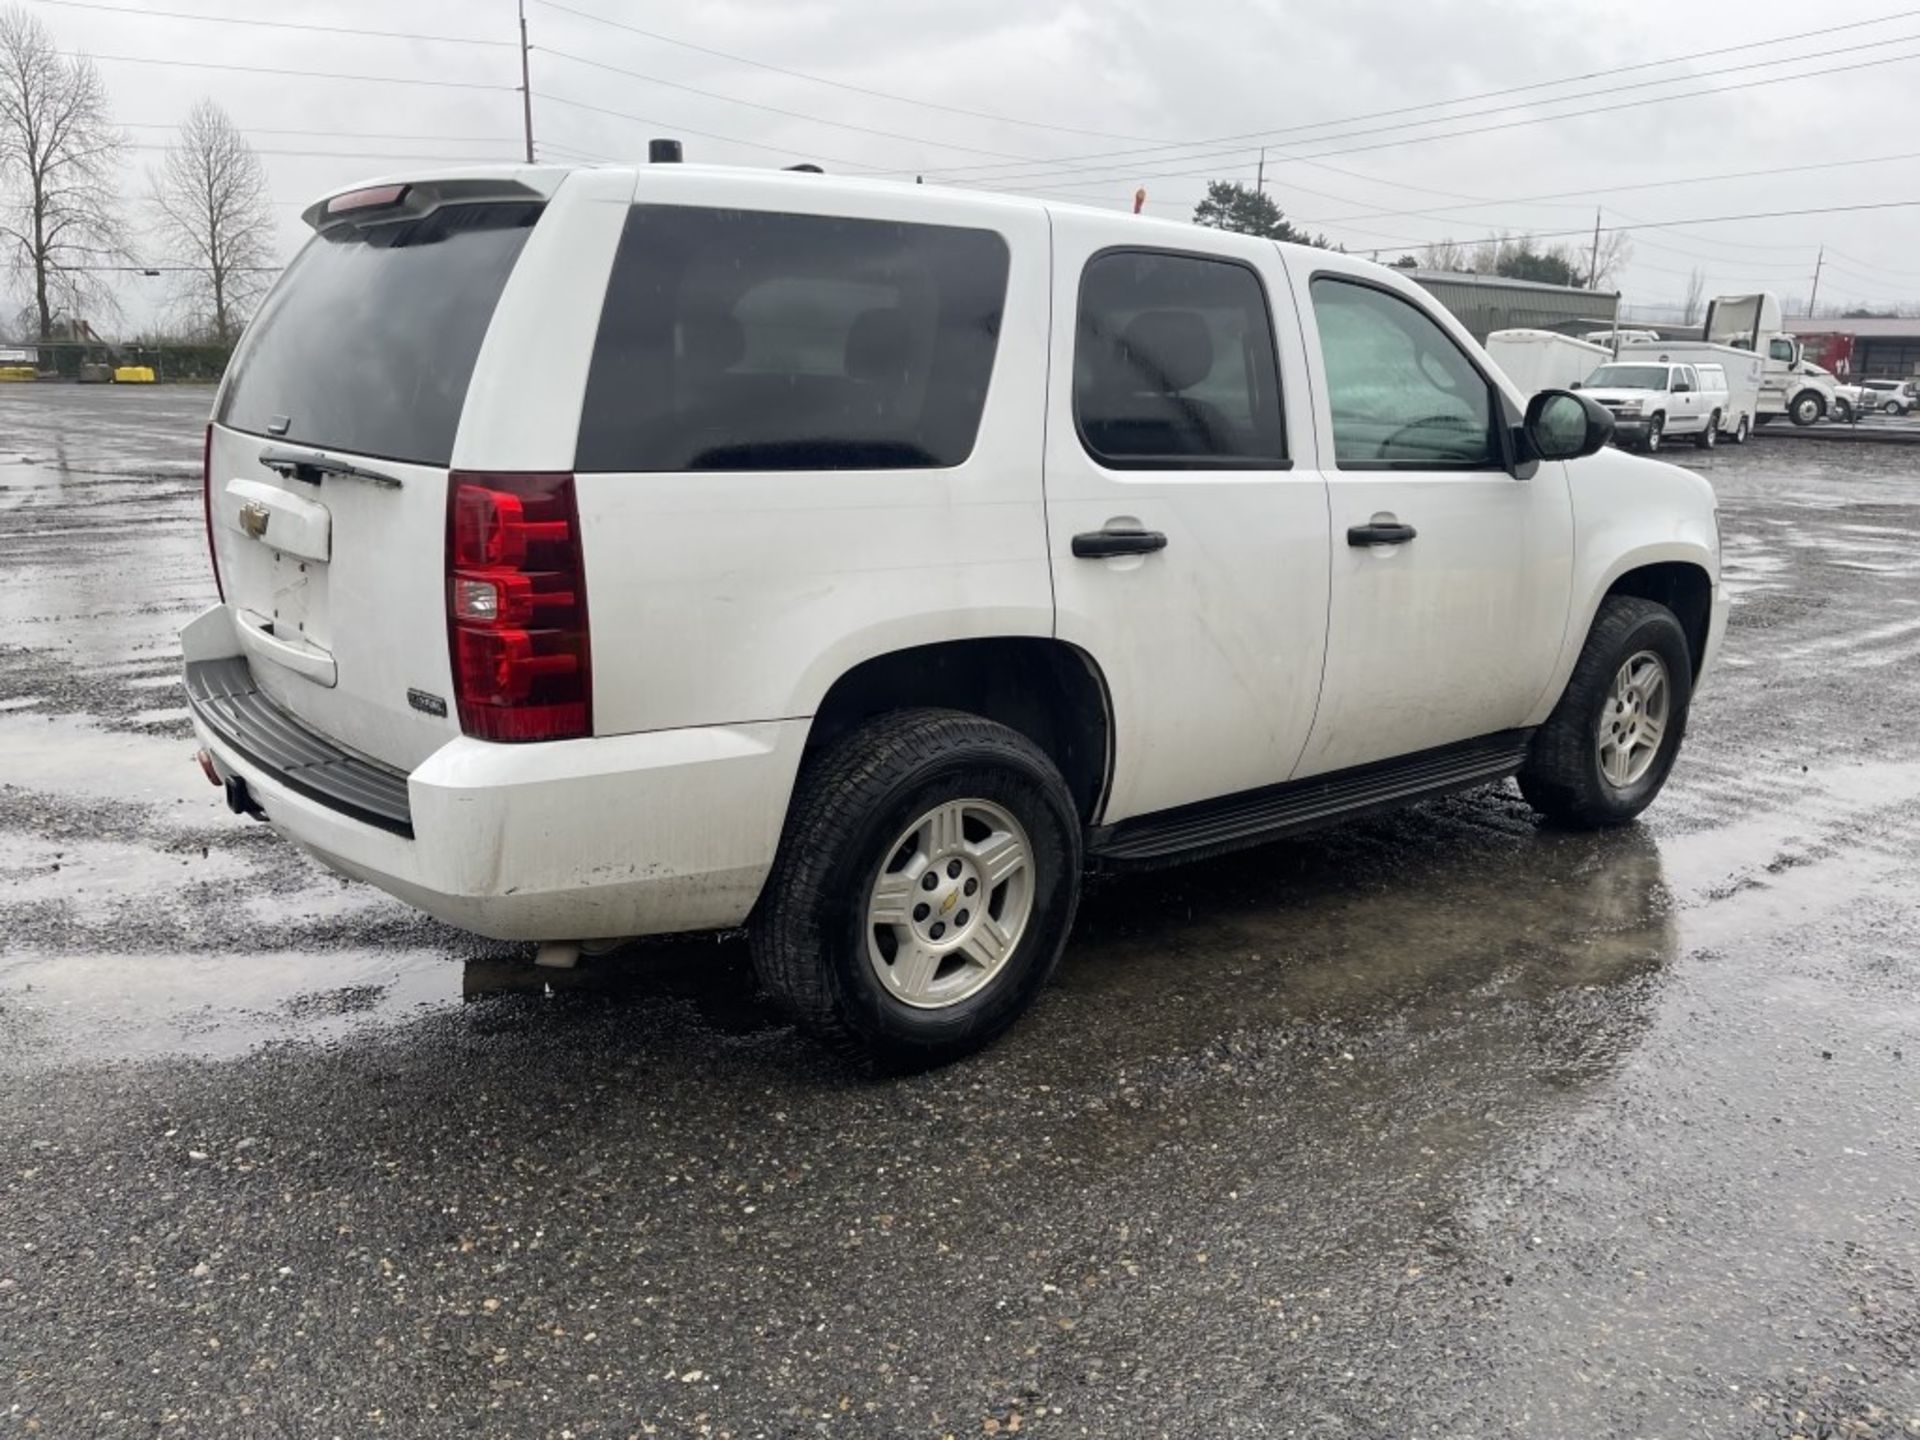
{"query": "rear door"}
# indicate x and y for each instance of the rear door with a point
(1186, 519)
(333, 436)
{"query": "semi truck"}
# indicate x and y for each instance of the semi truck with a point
(1790, 383)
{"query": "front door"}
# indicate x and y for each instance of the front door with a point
(1188, 539)
(1450, 578)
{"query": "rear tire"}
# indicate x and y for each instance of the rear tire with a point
(886, 970)
(1612, 698)
(1741, 431)
(1709, 437)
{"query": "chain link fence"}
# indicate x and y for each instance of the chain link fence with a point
(94, 361)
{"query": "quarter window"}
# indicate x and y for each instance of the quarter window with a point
(1173, 364)
(749, 340)
(1404, 396)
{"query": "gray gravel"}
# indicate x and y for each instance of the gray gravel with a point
(1441, 1125)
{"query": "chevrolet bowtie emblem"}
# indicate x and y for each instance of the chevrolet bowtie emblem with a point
(254, 517)
(953, 899)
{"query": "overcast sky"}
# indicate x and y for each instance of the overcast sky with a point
(1114, 76)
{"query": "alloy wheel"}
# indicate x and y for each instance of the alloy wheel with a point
(949, 903)
(1633, 720)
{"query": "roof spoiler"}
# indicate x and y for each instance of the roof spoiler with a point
(391, 201)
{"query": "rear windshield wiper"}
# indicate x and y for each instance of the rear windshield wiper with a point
(315, 465)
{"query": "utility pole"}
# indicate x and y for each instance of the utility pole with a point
(1814, 295)
(1593, 265)
(526, 84)
(1260, 176)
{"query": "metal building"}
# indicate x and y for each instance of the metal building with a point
(1485, 303)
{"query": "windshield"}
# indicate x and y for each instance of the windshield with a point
(1629, 377)
(367, 343)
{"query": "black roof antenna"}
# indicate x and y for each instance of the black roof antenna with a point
(663, 152)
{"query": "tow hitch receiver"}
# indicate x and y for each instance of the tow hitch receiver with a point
(239, 799)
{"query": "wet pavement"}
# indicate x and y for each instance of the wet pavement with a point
(1436, 1125)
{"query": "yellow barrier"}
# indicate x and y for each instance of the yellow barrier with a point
(133, 375)
(18, 372)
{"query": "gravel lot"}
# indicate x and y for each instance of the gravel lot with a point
(1437, 1125)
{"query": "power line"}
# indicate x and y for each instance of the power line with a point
(144, 13)
(673, 127)
(1590, 191)
(303, 74)
(329, 134)
(1188, 144)
(837, 84)
(1266, 135)
(357, 154)
(955, 175)
(1696, 220)
(1479, 130)
(893, 135)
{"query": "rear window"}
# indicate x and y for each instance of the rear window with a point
(749, 340)
(369, 340)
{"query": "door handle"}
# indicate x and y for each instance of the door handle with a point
(1380, 534)
(1098, 544)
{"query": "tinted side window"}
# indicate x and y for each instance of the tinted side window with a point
(1403, 394)
(368, 341)
(746, 340)
(1173, 364)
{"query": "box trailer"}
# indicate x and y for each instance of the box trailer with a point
(1537, 360)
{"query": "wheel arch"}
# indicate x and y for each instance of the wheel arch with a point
(1050, 691)
(1677, 571)
(1683, 586)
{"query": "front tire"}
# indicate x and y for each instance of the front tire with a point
(1607, 748)
(925, 885)
(1656, 431)
(1807, 408)
(1842, 412)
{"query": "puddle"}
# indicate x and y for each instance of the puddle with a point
(136, 1007)
(75, 758)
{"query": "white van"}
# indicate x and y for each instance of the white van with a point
(616, 551)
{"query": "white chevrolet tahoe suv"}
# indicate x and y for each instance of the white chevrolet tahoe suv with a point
(609, 552)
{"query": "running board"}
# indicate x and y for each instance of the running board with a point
(1255, 816)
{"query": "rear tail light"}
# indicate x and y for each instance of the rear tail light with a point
(206, 510)
(517, 607)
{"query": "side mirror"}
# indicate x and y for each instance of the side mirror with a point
(1683, 388)
(1574, 386)
(1563, 426)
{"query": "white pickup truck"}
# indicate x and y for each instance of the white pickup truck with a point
(615, 551)
(1652, 402)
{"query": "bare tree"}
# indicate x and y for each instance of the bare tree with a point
(58, 157)
(1616, 249)
(210, 199)
(1447, 255)
(1696, 293)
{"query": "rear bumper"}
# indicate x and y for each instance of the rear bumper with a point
(578, 839)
